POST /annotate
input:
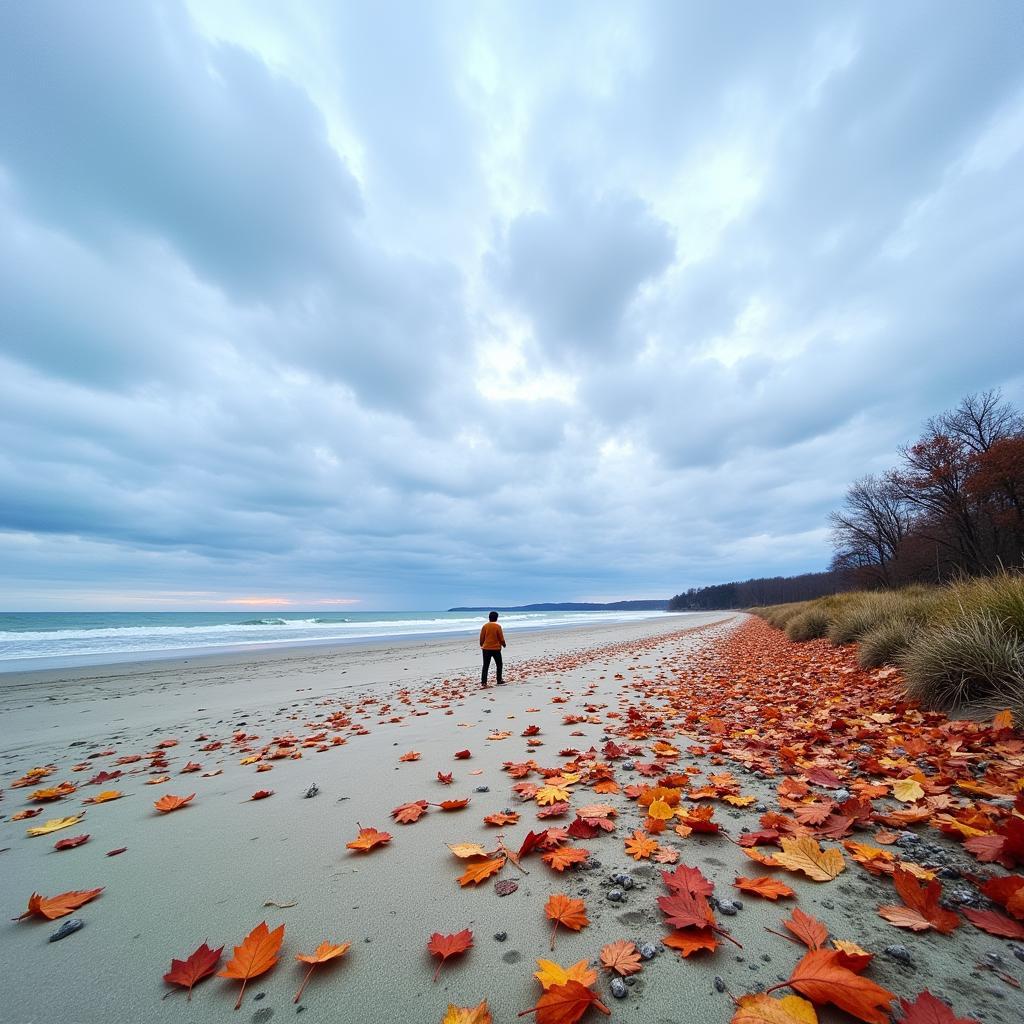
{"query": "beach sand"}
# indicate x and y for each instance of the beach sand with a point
(208, 871)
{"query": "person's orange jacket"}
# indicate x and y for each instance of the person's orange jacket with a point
(491, 637)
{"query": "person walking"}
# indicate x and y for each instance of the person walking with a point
(492, 639)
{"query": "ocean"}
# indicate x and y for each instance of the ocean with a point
(58, 639)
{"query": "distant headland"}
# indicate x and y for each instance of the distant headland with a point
(573, 606)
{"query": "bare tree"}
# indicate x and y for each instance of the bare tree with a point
(868, 532)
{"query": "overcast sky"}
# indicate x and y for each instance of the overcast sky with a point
(419, 304)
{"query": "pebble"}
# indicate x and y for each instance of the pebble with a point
(482, 789)
(628, 766)
(312, 791)
(828, 904)
(761, 808)
(615, 895)
(963, 894)
(719, 984)
(840, 795)
(500, 936)
(647, 951)
(619, 989)
(900, 953)
(727, 907)
(67, 928)
(949, 872)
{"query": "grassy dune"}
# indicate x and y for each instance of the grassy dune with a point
(961, 647)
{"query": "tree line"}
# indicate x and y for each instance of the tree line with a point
(953, 506)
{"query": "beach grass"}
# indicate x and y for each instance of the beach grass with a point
(960, 647)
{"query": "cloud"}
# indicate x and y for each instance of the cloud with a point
(433, 306)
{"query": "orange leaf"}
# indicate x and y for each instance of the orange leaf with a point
(412, 755)
(201, 964)
(476, 873)
(809, 930)
(408, 813)
(255, 956)
(821, 978)
(169, 803)
(444, 946)
(565, 1004)
(560, 859)
(920, 909)
(691, 940)
(564, 910)
(551, 973)
(640, 845)
(468, 1014)
(501, 819)
(621, 957)
(52, 907)
(367, 839)
(769, 888)
(453, 805)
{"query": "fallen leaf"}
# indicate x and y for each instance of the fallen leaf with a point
(468, 1015)
(565, 857)
(927, 1009)
(805, 855)
(566, 911)
(367, 839)
(565, 1004)
(907, 790)
(323, 953)
(406, 814)
(481, 870)
(821, 978)
(691, 940)
(255, 956)
(169, 803)
(809, 930)
(465, 850)
(551, 973)
(769, 888)
(621, 957)
(262, 794)
(640, 845)
(53, 825)
(200, 964)
(105, 797)
(762, 1009)
(920, 909)
(412, 755)
(445, 946)
(52, 907)
(117, 852)
(994, 923)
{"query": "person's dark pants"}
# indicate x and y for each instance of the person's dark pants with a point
(496, 655)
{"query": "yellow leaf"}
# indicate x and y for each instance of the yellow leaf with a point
(1004, 720)
(740, 801)
(468, 1014)
(660, 810)
(551, 973)
(551, 795)
(805, 855)
(907, 790)
(465, 850)
(762, 1009)
(53, 825)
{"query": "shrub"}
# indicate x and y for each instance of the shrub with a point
(976, 660)
(810, 624)
(853, 621)
(886, 641)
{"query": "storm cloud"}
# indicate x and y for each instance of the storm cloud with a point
(417, 305)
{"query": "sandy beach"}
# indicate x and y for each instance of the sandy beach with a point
(343, 719)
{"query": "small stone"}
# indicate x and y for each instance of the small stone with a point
(761, 808)
(259, 995)
(500, 936)
(312, 791)
(719, 984)
(727, 907)
(647, 951)
(626, 882)
(628, 766)
(619, 989)
(949, 872)
(66, 929)
(901, 953)
(828, 904)
(482, 789)
(840, 795)
(615, 895)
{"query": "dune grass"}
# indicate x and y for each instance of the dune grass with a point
(961, 647)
